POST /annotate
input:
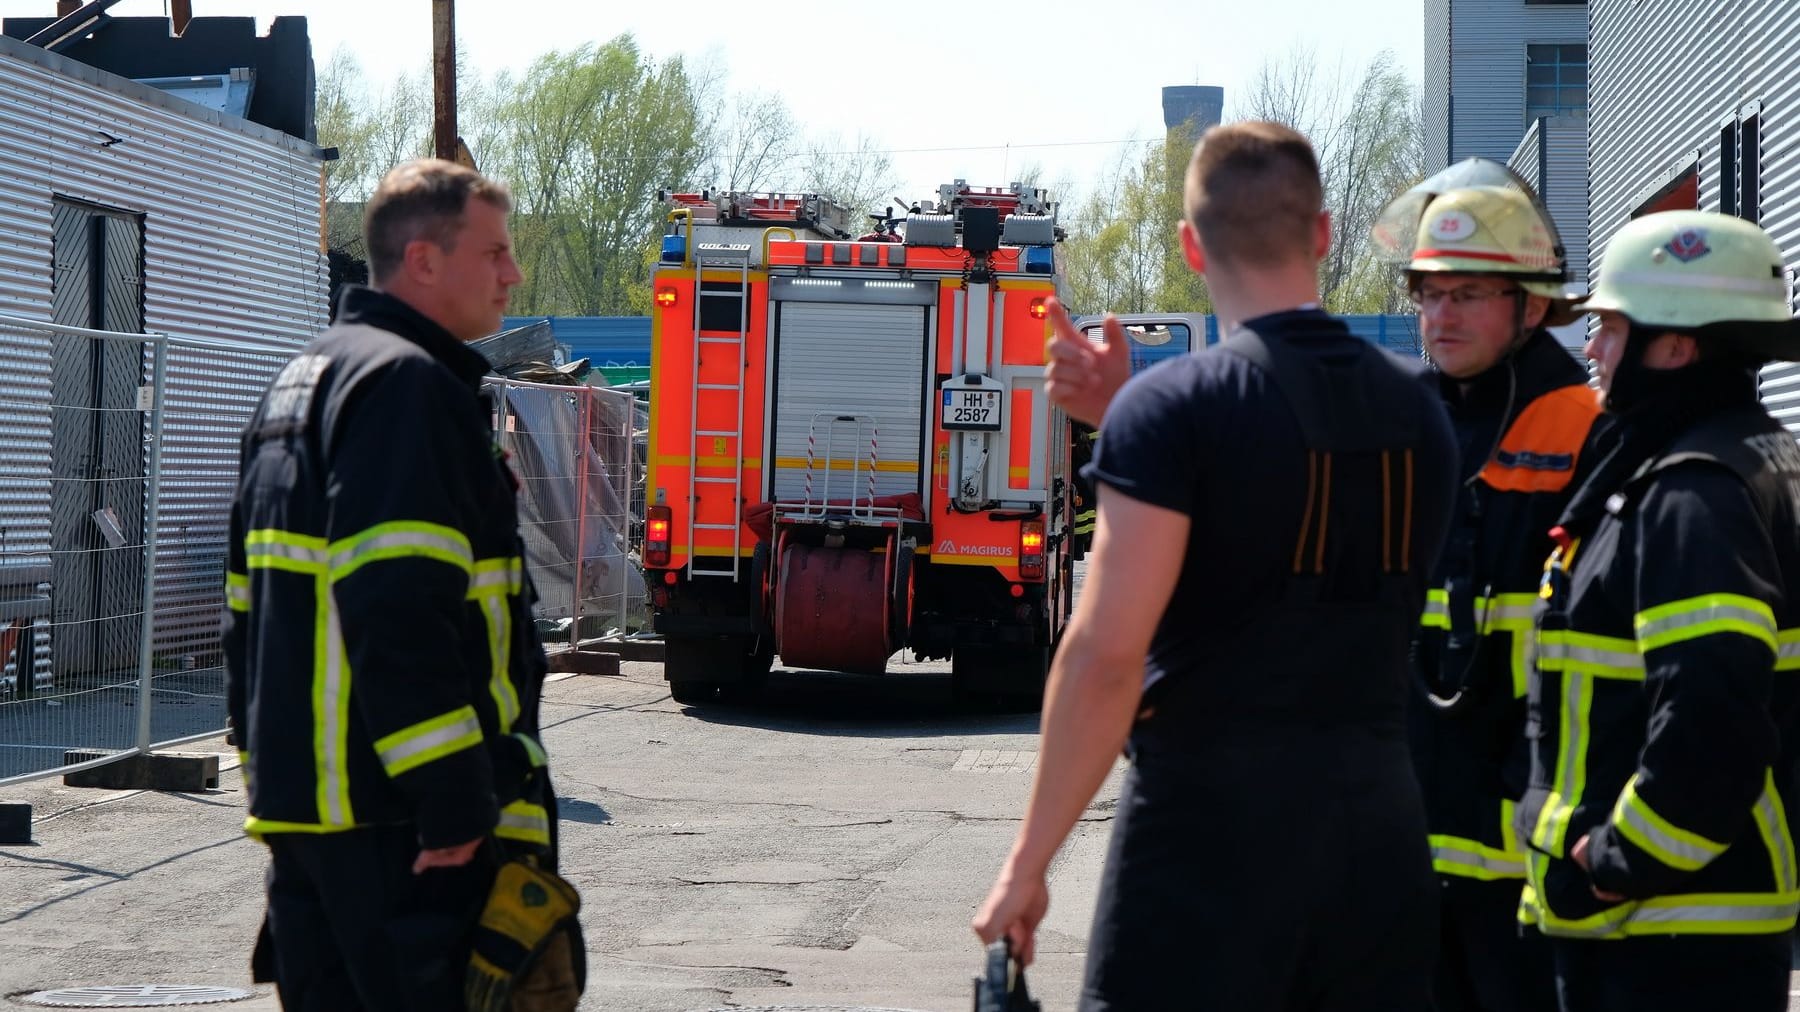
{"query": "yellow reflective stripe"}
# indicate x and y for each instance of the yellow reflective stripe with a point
(533, 750)
(1524, 659)
(504, 575)
(1705, 615)
(1787, 650)
(284, 550)
(400, 539)
(1508, 612)
(1678, 848)
(257, 827)
(1589, 654)
(1570, 778)
(499, 629)
(1772, 825)
(1437, 609)
(1452, 855)
(331, 706)
(428, 740)
(244, 767)
(237, 591)
(525, 821)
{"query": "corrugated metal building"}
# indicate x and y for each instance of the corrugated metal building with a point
(1494, 66)
(124, 208)
(1697, 104)
(1553, 158)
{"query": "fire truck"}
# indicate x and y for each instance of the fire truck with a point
(851, 449)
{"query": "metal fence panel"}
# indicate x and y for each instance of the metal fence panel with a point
(571, 447)
(81, 670)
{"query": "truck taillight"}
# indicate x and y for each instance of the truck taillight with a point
(1031, 550)
(656, 536)
(1038, 309)
(665, 297)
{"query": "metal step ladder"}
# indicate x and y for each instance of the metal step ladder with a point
(736, 258)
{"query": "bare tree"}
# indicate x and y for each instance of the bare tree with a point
(1367, 131)
(758, 146)
(859, 175)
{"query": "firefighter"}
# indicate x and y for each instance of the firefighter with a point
(1270, 509)
(1083, 438)
(1662, 706)
(383, 667)
(1485, 269)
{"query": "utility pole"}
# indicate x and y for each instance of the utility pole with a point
(443, 76)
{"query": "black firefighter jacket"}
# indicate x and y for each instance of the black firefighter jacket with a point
(1474, 637)
(1663, 704)
(381, 659)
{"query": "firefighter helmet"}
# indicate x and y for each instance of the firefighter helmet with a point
(1495, 231)
(1398, 223)
(1694, 270)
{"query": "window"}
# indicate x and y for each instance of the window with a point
(1740, 164)
(1555, 80)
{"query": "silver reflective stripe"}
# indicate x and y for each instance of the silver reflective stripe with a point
(1694, 856)
(1564, 654)
(396, 755)
(282, 550)
(1779, 837)
(1714, 613)
(335, 696)
(1510, 866)
(1787, 655)
(1699, 914)
(402, 539)
(238, 596)
(510, 578)
(523, 818)
(1501, 609)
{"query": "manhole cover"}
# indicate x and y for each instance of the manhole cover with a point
(135, 996)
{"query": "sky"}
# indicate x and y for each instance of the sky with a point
(967, 90)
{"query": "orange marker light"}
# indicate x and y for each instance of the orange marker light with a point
(1039, 310)
(665, 297)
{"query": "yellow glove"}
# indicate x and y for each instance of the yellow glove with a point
(527, 954)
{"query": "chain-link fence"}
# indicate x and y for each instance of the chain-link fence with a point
(115, 449)
(572, 449)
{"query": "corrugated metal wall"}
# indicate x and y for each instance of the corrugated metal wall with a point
(1665, 76)
(1487, 68)
(1435, 95)
(231, 252)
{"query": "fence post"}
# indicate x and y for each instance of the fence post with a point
(584, 439)
(147, 630)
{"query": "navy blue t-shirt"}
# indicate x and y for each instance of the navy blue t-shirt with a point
(1209, 435)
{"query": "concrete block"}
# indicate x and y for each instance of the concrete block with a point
(586, 662)
(15, 823)
(629, 650)
(159, 771)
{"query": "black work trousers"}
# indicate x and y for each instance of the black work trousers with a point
(353, 928)
(1487, 960)
(1685, 973)
(1267, 883)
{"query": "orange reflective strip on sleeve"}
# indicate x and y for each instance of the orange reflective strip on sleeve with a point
(1541, 448)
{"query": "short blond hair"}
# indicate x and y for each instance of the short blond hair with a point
(423, 199)
(1253, 193)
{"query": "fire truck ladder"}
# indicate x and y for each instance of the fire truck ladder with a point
(734, 344)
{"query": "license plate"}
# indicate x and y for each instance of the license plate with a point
(972, 409)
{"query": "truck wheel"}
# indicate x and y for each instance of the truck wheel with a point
(688, 692)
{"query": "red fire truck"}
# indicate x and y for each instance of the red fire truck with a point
(851, 450)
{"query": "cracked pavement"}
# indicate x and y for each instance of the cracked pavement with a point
(819, 846)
